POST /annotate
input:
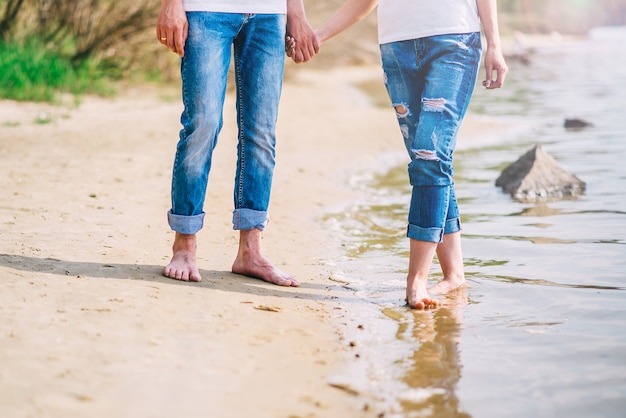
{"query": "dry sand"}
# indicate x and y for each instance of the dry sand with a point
(90, 328)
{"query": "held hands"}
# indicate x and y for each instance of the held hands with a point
(494, 62)
(301, 42)
(301, 52)
(290, 47)
(171, 28)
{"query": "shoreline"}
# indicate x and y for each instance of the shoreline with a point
(91, 328)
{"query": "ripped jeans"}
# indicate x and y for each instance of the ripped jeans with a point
(430, 82)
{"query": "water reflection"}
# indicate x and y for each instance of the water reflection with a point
(534, 240)
(543, 282)
(539, 210)
(433, 370)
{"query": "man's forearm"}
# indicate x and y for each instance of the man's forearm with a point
(295, 8)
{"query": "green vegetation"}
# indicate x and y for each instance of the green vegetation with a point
(49, 47)
(30, 71)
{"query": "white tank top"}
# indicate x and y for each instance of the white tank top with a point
(400, 20)
(237, 6)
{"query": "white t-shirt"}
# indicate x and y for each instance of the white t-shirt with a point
(400, 20)
(237, 6)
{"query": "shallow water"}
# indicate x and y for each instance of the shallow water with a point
(541, 328)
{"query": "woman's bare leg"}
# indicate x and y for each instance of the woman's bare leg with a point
(451, 260)
(421, 255)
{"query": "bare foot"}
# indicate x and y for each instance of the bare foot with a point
(417, 296)
(250, 262)
(183, 264)
(447, 285)
(264, 270)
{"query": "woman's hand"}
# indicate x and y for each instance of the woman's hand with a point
(494, 62)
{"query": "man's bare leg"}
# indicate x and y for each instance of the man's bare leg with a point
(183, 264)
(451, 260)
(421, 255)
(250, 261)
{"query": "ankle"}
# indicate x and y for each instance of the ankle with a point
(184, 242)
(454, 278)
(416, 279)
(250, 242)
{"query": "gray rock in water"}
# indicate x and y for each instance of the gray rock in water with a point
(537, 176)
(576, 124)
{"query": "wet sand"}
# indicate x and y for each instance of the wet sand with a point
(90, 327)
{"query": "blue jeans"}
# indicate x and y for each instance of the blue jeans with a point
(258, 44)
(430, 82)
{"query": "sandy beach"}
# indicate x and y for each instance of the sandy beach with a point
(90, 327)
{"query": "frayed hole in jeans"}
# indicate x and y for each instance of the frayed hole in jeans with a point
(424, 154)
(434, 105)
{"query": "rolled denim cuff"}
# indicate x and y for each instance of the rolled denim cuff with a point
(184, 224)
(247, 219)
(425, 234)
(452, 225)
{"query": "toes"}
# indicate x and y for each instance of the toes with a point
(182, 275)
(177, 274)
(420, 305)
(424, 304)
(285, 281)
(432, 303)
(169, 272)
(293, 282)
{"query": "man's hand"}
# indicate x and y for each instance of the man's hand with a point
(171, 27)
(301, 43)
